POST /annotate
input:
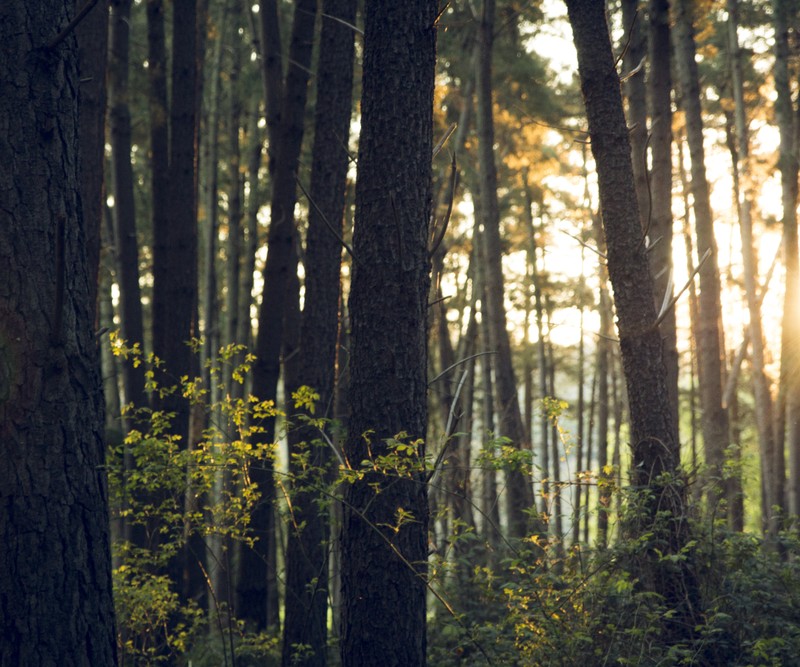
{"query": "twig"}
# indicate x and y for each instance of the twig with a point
(453, 183)
(585, 245)
(667, 306)
(448, 431)
(440, 144)
(355, 29)
(458, 363)
(60, 37)
(325, 220)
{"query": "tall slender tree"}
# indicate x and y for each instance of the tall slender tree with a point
(385, 523)
(124, 210)
(286, 102)
(655, 464)
(520, 488)
(306, 609)
(788, 163)
(772, 469)
(711, 363)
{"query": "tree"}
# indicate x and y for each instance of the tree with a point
(520, 488)
(772, 465)
(385, 523)
(306, 610)
(55, 563)
(92, 33)
(659, 221)
(711, 363)
(124, 210)
(655, 463)
(788, 163)
(286, 102)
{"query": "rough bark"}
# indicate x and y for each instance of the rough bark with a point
(711, 363)
(655, 466)
(635, 89)
(519, 483)
(55, 564)
(384, 555)
(306, 608)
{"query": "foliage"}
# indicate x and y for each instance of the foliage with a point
(151, 474)
(536, 609)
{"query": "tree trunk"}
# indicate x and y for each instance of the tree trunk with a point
(635, 90)
(385, 524)
(711, 363)
(659, 88)
(306, 609)
(124, 212)
(56, 603)
(603, 402)
(655, 466)
(520, 488)
(92, 33)
(256, 602)
(788, 163)
(772, 473)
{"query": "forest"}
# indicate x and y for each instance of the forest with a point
(403, 333)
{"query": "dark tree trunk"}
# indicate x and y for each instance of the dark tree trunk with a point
(635, 91)
(655, 465)
(55, 563)
(385, 533)
(306, 609)
(92, 33)
(257, 600)
(659, 88)
(175, 244)
(124, 210)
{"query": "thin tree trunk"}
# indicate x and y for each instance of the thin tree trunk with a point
(604, 477)
(659, 230)
(519, 483)
(124, 213)
(714, 420)
(92, 33)
(306, 609)
(655, 466)
(772, 473)
(788, 164)
(257, 601)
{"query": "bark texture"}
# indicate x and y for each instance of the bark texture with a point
(55, 564)
(655, 465)
(385, 522)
